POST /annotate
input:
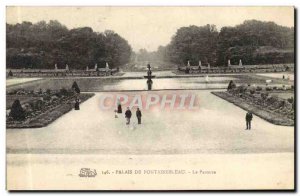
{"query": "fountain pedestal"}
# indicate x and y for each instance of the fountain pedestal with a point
(149, 77)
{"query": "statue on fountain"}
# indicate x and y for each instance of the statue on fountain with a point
(149, 77)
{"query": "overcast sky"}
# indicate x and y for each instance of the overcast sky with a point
(149, 27)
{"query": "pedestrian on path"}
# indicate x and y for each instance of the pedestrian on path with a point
(119, 106)
(139, 115)
(128, 116)
(249, 117)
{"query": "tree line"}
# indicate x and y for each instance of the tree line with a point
(42, 45)
(254, 42)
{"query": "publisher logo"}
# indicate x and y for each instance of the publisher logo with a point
(87, 172)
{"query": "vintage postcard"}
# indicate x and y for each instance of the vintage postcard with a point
(150, 98)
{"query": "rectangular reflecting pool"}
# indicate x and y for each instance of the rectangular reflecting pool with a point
(117, 84)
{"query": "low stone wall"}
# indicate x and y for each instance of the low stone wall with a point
(238, 69)
(60, 73)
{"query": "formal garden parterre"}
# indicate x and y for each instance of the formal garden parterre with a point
(275, 104)
(32, 109)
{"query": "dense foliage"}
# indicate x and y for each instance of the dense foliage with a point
(42, 45)
(254, 42)
(194, 43)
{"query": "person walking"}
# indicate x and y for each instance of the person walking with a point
(119, 106)
(128, 116)
(249, 117)
(139, 115)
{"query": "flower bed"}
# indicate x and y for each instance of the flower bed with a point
(272, 108)
(44, 107)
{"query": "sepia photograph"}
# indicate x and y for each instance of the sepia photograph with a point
(134, 98)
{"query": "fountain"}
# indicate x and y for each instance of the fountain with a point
(149, 77)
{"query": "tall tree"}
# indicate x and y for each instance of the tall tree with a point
(194, 43)
(254, 42)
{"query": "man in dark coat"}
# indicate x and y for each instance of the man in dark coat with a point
(249, 117)
(139, 115)
(128, 116)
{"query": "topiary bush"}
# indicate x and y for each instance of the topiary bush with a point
(231, 85)
(17, 112)
(75, 87)
(291, 100)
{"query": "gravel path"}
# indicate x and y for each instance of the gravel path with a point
(216, 127)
